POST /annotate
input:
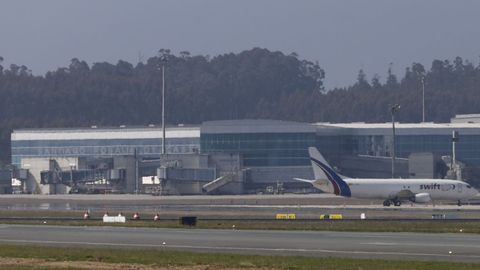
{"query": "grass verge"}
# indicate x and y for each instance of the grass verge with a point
(189, 260)
(421, 226)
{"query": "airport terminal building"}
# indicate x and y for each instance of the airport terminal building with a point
(234, 156)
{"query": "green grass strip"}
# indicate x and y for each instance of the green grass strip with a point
(424, 226)
(218, 260)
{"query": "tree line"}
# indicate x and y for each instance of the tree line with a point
(256, 83)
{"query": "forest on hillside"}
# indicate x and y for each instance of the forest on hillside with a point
(256, 83)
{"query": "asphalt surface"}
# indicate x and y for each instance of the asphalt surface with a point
(305, 206)
(404, 246)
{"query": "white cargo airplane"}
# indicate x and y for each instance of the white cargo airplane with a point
(391, 190)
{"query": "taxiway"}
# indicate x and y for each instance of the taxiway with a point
(404, 246)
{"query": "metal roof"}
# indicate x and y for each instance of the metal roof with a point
(427, 128)
(255, 126)
(362, 125)
(104, 133)
(246, 126)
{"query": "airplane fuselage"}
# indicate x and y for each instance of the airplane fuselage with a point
(393, 190)
(438, 189)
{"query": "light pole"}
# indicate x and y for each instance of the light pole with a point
(393, 110)
(423, 98)
(454, 153)
(72, 166)
(163, 61)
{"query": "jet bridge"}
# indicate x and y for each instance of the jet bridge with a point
(218, 183)
(75, 178)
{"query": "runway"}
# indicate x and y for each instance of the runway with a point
(305, 206)
(403, 246)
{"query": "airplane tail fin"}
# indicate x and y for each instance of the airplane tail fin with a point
(317, 171)
(325, 175)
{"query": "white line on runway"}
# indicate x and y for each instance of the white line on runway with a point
(338, 206)
(417, 244)
(240, 248)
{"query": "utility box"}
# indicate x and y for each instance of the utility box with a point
(426, 165)
(188, 221)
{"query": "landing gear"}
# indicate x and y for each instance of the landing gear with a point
(389, 202)
(459, 203)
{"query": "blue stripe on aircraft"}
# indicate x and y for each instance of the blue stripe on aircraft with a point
(334, 178)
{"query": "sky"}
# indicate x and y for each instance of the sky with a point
(343, 36)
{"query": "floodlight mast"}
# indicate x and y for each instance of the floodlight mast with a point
(393, 110)
(163, 61)
(423, 99)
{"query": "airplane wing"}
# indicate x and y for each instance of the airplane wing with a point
(323, 185)
(304, 180)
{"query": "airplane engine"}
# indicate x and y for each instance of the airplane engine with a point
(422, 198)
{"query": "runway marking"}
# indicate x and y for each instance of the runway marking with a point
(418, 244)
(241, 248)
(329, 206)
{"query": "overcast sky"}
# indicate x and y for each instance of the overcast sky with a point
(343, 36)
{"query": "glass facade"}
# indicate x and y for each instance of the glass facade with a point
(336, 145)
(262, 149)
(100, 147)
(260, 142)
(468, 147)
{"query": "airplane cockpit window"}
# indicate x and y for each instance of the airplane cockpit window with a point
(468, 186)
